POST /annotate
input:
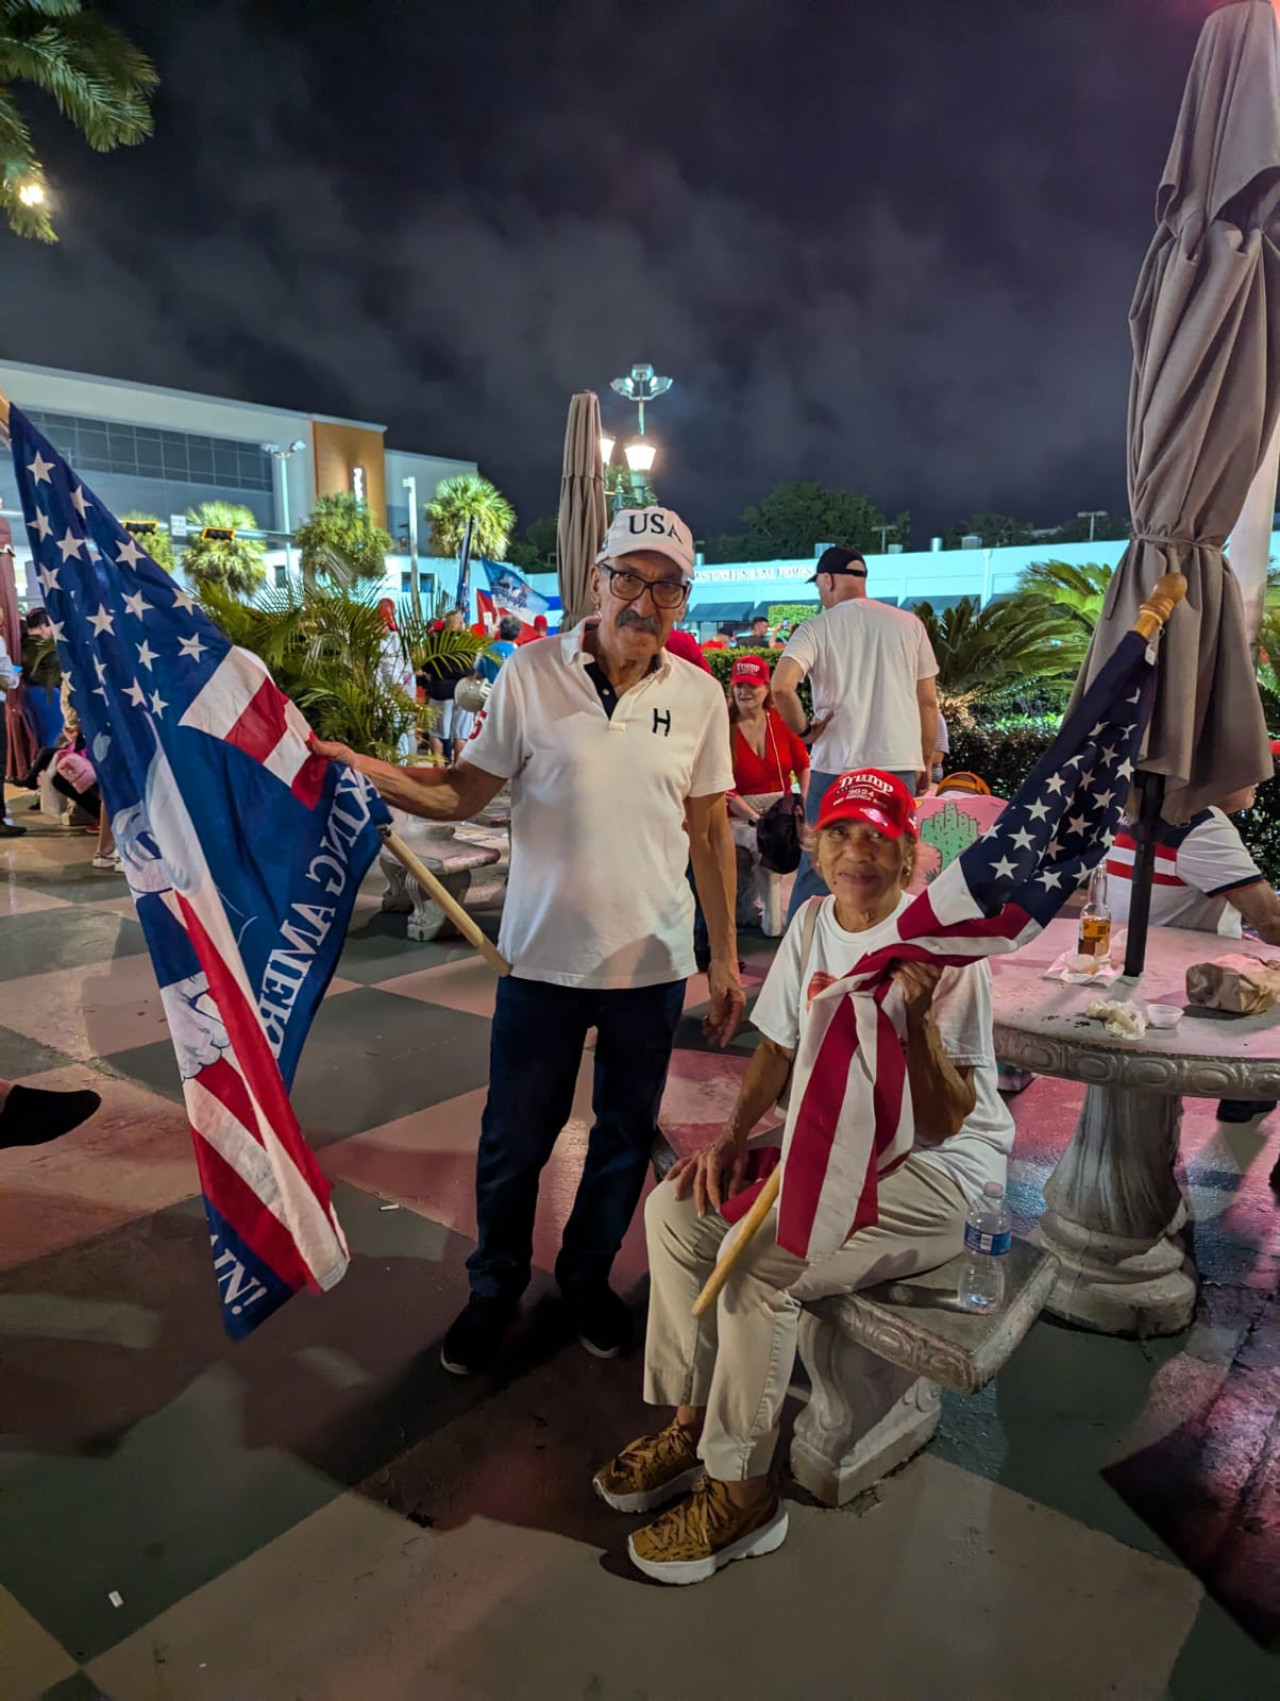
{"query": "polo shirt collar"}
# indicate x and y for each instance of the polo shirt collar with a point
(573, 649)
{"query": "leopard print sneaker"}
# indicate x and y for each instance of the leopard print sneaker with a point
(650, 1472)
(703, 1534)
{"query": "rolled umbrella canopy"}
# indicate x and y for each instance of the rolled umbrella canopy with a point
(584, 516)
(1203, 403)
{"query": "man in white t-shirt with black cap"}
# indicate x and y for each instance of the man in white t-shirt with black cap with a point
(872, 673)
(618, 757)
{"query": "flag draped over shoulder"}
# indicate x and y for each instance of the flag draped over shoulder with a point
(243, 853)
(850, 1119)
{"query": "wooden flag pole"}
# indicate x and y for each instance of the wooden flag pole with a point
(465, 924)
(751, 1224)
(1154, 612)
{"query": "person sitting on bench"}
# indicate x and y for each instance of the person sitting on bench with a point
(727, 1373)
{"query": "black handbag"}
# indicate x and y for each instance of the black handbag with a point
(779, 829)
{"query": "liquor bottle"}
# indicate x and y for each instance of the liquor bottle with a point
(1095, 918)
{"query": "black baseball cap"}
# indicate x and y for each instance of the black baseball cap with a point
(837, 559)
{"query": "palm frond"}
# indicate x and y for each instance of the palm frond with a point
(470, 498)
(98, 79)
(983, 650)
(19, 167)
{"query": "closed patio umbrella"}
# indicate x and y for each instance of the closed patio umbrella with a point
(1203, 402)
(584, 517)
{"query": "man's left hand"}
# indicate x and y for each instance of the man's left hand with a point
(728, 1003)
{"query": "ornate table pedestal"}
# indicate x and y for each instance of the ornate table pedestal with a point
(450, 859)
(1114, 1204)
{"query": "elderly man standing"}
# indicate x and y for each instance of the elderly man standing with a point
(872, 672)
(618, 757)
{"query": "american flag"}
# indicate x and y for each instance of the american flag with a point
(850, 1119)
(243, 853)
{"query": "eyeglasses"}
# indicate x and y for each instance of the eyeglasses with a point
(630, 587)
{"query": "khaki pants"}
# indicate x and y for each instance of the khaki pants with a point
(736, 1360)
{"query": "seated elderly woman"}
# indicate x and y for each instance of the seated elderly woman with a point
(727, 1373)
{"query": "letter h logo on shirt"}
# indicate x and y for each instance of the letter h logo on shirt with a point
(662, 720)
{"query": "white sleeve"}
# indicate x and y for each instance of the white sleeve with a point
(802, 646)
(926, 661)
(713, 765)
(1212, 858)
(962, 1012)
(777, 1009)
(498, 745)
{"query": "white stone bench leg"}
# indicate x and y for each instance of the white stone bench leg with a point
(397, 899)
(428, 920)
(864, 1417)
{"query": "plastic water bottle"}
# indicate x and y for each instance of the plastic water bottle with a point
(988, 1231)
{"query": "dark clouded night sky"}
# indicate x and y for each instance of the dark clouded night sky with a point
(884, 244)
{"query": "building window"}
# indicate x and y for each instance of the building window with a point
(139, 451)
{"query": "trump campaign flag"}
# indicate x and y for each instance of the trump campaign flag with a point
(510, 594)
(850, 1119)
(243, 853)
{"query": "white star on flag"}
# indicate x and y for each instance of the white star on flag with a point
(1124, 770)
(192, 647)
(103, 621)
(99, 667)
(42, 526)
(40, 469)
(1078, 824)
(1101, 727)
(1022, 839)
(129, 553)
(158, 703)
(59, 637)
(1136, 698)
(1003, 869)
(1055, 782)
(1103, 798)
(1108, 753)
(78, 502)
(1038, 810)
(136, 695)
(146, 655)
(135, 604)
(69, 545)
(48, 577)
(1049, 877)
(182, 600)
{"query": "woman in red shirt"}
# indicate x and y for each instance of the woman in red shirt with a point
(766, 753)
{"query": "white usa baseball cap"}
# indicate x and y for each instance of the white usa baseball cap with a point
(659, 530)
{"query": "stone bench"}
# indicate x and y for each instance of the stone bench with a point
(879, 1359)
(450, 859)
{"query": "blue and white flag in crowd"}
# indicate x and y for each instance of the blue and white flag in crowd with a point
(243, 851)
(511, 594)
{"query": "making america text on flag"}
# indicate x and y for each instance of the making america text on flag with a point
(850, 1117)
(243, 853)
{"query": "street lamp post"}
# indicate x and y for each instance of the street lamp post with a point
(415, 589)
(281, 457)
(633, 484)
(1093, 515)
(641, 385)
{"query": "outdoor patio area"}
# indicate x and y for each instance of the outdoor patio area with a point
(321, 1512)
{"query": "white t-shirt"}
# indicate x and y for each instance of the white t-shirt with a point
(1197, 865)
(863, 660)
(961, 1009)
(597, 894)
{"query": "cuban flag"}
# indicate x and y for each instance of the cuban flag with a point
(850, 1118)
(510, 594)
(243, 852)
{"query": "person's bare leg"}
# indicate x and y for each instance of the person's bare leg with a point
(106, 840)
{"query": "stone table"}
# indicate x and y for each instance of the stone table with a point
(1114, 1203)
(452, 860)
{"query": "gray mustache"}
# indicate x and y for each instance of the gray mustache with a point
(646, 622)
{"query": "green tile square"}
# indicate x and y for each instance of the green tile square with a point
(65, 939)
(21, 1056)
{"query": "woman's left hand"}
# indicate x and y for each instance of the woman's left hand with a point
(918, 982)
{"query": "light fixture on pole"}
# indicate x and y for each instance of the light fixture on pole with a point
(32, 194)
(640, 458)
(280, 457)
(641, 385)
(1093, 515)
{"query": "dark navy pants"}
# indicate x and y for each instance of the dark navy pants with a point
(539, 1032)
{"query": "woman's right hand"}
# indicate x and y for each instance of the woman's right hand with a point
(715, 1173)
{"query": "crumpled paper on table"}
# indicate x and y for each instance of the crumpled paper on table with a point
(1124, 1020)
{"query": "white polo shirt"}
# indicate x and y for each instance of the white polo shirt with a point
(597, 895)
(1198, 866)
(863, 660)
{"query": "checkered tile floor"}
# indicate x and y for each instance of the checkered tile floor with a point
(321, 1512)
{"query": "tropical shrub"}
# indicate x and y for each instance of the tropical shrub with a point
(158, 544)
(326, 648)
(341, 541)
(981, 651)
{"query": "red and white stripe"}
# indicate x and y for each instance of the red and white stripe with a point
(1120, 859)
(241, 704)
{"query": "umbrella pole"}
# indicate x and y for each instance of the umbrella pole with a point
(1146, 836)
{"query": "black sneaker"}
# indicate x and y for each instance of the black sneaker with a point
(1244, 1110)
(475, 1336)
(9, 831)
(603, 1322)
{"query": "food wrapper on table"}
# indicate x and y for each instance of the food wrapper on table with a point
(1240, 984)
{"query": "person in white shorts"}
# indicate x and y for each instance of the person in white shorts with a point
(727, 1372)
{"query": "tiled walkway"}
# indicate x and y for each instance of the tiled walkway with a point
(320, 1512)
